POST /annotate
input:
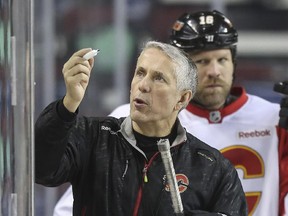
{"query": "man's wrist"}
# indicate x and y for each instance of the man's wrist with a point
(70, 105)
(64, 113)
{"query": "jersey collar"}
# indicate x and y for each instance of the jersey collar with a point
(216, 116)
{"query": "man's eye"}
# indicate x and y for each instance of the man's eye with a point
(158, 78)
(140, 73)
(223, 60)
(201, 61)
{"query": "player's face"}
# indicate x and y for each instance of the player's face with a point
(215, 77)
(154, 94)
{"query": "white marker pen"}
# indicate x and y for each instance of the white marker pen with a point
(91, 54)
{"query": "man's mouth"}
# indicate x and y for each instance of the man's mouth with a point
(214, 83)
(139, 102)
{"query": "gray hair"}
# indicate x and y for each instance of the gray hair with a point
(185, 70)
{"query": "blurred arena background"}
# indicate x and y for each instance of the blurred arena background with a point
(118, 28)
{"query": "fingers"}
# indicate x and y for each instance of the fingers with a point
(76, 72)
(77, 58)
(73, 77)
(78, 67)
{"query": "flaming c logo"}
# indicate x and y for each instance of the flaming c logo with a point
(183, 183)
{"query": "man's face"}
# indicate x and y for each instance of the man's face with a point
(215, 77)
(153, 94)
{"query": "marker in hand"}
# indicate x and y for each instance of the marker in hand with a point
(91, 54)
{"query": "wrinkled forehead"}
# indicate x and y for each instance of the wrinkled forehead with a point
(153, 51)
(155, 59)
(155, 56)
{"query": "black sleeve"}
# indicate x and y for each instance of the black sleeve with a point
(51, 130)
(63, 113)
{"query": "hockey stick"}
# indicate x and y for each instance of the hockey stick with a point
(164, 149)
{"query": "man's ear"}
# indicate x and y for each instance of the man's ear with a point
(185, 98)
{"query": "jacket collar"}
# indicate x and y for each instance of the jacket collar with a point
(127, 132)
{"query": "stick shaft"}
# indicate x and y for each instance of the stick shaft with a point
(164, 149)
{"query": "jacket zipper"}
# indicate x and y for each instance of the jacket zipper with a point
(145, 180)
(146, 167)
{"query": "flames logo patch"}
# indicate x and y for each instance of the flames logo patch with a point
(182, 181)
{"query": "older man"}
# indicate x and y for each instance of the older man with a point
(114, 164)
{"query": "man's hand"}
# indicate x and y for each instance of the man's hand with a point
(76, 72)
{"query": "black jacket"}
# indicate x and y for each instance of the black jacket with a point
(100, 158)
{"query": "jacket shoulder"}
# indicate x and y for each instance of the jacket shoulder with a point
(203, 150)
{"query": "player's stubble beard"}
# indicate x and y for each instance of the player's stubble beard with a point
(212, 99)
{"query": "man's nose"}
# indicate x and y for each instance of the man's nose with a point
(213, 69)
(145, 84)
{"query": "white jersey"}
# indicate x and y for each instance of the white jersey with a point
(245, 132)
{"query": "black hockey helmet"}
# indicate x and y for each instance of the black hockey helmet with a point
(204, 31)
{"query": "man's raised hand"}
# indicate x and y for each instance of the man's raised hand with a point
(76, 72)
